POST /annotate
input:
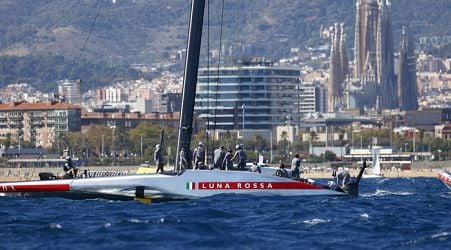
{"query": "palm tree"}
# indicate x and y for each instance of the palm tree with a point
(421, 135)
(341, 136)
(7, 145)
(284, 137)
(312, 138)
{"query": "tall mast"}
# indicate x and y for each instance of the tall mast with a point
(190, 77)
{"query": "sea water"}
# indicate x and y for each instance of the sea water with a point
(401, 213)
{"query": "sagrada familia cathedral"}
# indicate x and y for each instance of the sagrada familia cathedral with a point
(373, 83)
(338, 67)
(407, 88)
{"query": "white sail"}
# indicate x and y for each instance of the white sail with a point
(376, 165)
(375, 171)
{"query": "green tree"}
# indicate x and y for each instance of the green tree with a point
(7, 144)
(330, 156)
(150, 135)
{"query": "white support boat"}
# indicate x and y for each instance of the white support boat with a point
(445, 177)
(180, 183)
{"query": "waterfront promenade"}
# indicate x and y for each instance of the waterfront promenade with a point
(419, 169)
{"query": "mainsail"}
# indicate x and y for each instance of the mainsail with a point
(376, 165)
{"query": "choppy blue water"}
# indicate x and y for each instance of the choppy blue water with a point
(390, 214)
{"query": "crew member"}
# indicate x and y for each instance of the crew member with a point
(281, 171)
(184, 159)
(256, 168)
(295, 166)
(218, 157)
(241, 156)
(158, 158)
(199, 156)
(343, 177)
(69, 169)
(227, 163)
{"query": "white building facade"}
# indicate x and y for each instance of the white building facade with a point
(253, 95)
(70, 90)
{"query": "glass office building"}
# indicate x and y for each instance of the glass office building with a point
(249, 96)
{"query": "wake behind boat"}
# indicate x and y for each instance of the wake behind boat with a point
(182, 183)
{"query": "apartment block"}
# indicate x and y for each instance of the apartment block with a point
(38, 123)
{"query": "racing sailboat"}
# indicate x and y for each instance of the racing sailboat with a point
(180, 183)
(375, 170)
(445, 177)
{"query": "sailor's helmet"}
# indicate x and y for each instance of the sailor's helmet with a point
(200, 143)
(237, 146)
(68, 158)
(340, 169)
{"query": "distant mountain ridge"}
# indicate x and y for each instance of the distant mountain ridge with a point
(146, 31)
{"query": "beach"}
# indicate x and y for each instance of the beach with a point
(24, 174)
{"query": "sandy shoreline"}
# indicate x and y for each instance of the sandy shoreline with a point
(24, 174)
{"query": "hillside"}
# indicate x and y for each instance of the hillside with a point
(145, 31)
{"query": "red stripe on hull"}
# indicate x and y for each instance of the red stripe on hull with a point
(255, 185)
(10, 188)
(444, 178)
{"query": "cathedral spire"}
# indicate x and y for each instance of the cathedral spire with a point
(407, 82)
(336, 67)
(343, 56)
(374, 49)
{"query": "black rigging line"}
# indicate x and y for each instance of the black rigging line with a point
(86, 40)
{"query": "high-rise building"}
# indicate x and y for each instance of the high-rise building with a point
(38, 123)
(338, 69)
(254, 95)
(374, 49)
(171, 102)
(114, 94)
(407, 80)
(312, 98)
(70, 90)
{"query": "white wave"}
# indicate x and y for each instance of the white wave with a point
(55, 225)
(446, 195)
(440, 235)
(106, 225)
(385, 193)
(315, 221)
(365, 216)
(382, 180)
(139, 221)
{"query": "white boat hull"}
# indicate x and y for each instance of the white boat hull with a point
(190, 184)
(445, 177)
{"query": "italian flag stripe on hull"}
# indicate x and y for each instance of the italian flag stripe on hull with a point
(190, 185)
